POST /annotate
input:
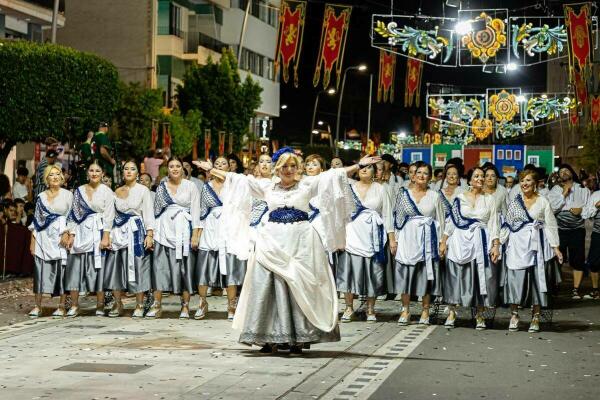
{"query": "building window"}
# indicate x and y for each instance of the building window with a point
(170, 19)
(270, 69)
(262, 10)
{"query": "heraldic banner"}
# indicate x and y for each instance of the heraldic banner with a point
(414, 70)
(579, 28)
(333, 42)
(289, 42)
(387, 74)
(595, 110)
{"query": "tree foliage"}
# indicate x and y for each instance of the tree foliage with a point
(184, 131)
(44, 85)
(216, 89)
(137, 109)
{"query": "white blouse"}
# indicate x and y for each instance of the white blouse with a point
(210, 237)
(415, 239)
(465, 245)
(590, 211)
(361, 233)
(139, 202)
(47, 241)
(171, 228)
(102, 202)
(500, 196)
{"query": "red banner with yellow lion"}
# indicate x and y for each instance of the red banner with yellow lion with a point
(289, 42)
(387, 74)
(414, 70)
(336, 21)
(595, 110)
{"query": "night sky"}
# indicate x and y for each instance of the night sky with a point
(294, 123)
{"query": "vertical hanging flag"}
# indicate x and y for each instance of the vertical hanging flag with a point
(206, 144)
(289, 42)
(579, 24)
(414, 70)
(573, 116)
(221, 143)
(595, 110)
(387, 73)
(166, 136)
(154, 137)
(333, 42)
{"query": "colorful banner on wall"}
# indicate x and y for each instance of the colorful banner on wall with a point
(595, 110)
(291, 32)
(387, 74)
(579, 26)
(333, 43)
(412, 91)
(221, 143)
(206, 144)
(166, 136)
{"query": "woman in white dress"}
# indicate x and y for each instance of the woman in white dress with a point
(289, 295)
(215, 267)
(89, 223)
(49, 236)
(418, 221)
(532, 252)
(361, 267)
(471, 238)
(264, 172)
(176, 230)
(128, 264)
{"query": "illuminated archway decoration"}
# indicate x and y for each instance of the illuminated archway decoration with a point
(482, 128)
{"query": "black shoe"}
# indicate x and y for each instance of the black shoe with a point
(593, 295)
(295, 350)
(268, 349)
(575, 294)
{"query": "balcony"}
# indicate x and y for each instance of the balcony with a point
(196, 39)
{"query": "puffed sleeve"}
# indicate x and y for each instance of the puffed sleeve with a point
(258, 186)
(556, 198)
(148, 209)
(551, 226)
(440, 213)
(194, 205)
(493, 223)
(108, 214)
(590, 210)
(386, 210)
(582, 197)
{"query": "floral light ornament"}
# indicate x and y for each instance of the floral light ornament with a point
(484, 44)
(539, 39)
(482, 128)
(415, 42)
(503, 106)
(548, 108)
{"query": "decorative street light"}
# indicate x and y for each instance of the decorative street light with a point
(330, 92)
(360, 68)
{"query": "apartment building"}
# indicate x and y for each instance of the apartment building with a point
(27, 19)
(152, 41)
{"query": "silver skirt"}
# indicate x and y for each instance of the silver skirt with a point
(360, 275)
(115, 272)
(236, 270)
(48, 277)
(461, 284)
(206, 270)
(81, 275)
(172, 275)
(522, 287)
(412, 279)
(275, 317)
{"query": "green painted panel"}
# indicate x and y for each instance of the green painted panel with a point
(541, 158)
(441, 153)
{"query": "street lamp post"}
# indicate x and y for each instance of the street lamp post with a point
(339, 112)
(331, 92)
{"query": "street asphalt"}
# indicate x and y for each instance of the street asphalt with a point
(119, 358)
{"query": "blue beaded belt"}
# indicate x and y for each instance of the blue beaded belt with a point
(287, 215)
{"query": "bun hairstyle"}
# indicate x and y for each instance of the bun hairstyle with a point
(315, 157)
(175, 158)
(421, 164)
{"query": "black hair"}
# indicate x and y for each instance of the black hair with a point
(175, 158)
(22, 171)
(471, 172)
(489, 166)
(4, 185)
(240, 166)
(458, 163)
(438, 171)
(18, 201)
(29, 206)
(573, 173)
(421, 164)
